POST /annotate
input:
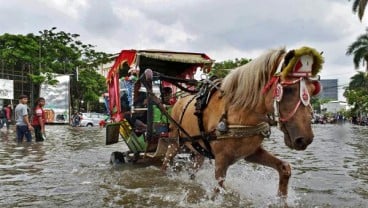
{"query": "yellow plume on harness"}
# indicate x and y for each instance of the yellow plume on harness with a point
(318, 60)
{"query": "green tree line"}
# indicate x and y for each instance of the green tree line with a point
(357, 92)
(56, 52)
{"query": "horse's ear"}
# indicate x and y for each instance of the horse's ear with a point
(288, 57)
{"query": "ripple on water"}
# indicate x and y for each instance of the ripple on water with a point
(71, 169)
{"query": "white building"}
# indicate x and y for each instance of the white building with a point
(334, 106)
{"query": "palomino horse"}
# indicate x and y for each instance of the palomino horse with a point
(235, 120)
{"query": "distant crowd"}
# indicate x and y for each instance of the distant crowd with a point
(339, 119)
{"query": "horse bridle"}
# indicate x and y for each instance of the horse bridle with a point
(300, 77)
(278, 94)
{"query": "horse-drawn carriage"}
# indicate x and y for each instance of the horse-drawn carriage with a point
(139, 107)
(225, 120)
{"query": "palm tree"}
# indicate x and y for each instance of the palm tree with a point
(359, 81)
(359, 7)
(359, 49)
(357, 92)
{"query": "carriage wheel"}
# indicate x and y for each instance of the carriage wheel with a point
(117, 158)
(131, 159)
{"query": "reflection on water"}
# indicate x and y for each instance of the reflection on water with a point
(71, 169)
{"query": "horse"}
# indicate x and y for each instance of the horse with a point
(236, 117)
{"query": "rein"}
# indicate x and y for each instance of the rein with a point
(178, 82)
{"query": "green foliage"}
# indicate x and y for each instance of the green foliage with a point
(62, 52)
(359, 7)
(51, 52)
(357, 92)
(18, 50)
(221, 69)
(37, 79)
(91, 85)
(359, 51)
(316, 103)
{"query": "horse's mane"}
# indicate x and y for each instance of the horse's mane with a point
(243, 85)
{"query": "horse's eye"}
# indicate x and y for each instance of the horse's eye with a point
(288, 90)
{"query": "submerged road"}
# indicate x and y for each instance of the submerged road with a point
(71, 169)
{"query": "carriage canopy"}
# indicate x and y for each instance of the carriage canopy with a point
(171, 63)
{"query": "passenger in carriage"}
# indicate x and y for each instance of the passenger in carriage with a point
(160, 120)
(140, 100)
(167, 97)
(124, 102)
(138, 118)
(130, 81)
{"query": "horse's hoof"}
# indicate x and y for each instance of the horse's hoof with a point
(215, 194)
(220, 189)
(283, 201)
(192, 176)
(163, 168)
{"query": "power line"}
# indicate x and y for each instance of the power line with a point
(336, 74)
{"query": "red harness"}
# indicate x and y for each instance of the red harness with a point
(278, 92)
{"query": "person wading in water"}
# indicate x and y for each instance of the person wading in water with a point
(39, 118)
(23, 126)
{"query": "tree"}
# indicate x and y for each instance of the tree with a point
(359, 7)
(359, 50)
(18, 55)
(51, 52)
(316, 103)
(16, 50)
(357, 92)
(91, 87)
(221, 69)
(62, 52)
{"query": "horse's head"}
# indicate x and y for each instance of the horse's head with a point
(290, 90)
(280, 83)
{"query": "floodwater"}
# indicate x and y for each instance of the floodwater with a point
(71, 169)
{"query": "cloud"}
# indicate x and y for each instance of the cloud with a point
(222, 29)
(98, 18)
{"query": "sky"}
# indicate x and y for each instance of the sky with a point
(224, 30)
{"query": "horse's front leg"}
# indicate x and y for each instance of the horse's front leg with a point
(171, 152)
(221, 166)
(263, 157)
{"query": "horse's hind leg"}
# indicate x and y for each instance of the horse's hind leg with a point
(263, 157)
(197, 160)
(172, 148)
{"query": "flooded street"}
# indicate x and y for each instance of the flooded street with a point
(71, 169)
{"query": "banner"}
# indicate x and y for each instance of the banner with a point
(6, 89)
(57, 100)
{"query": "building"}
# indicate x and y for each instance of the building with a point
(334, 107)
(329, 89)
